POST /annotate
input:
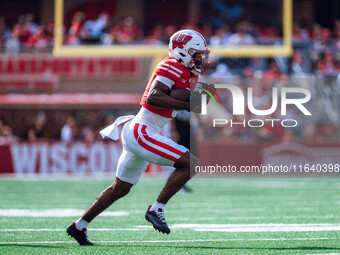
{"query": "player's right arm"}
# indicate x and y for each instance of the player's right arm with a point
(159, 97)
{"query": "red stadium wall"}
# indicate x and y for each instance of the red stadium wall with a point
(59, 158)
(286, 154)
(62, 158)
(102, 157)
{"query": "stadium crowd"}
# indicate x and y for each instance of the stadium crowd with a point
(106, 30)
(26, 35)
(66, 125)
(84, 125)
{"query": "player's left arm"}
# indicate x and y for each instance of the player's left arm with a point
(159, 97)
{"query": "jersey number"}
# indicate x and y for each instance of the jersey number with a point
(180, 40)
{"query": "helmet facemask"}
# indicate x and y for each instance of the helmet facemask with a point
(200, 61)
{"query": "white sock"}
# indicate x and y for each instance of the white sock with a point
(81, 224)
(156, 206)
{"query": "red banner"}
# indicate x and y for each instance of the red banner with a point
(102, 157)
(79, 100)
(290, 157)
(59, 158)
(62, 158)
(43, 73)
(69, 67)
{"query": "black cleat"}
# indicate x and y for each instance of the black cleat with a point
(79, 235)
(156, 218)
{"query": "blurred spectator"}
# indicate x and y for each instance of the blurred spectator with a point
(192, 23)
(38, 129)
(322, 42)
(336, 29)
(207, 31)
(12, 45)
(337, 43)
(74, 30)
(269, 34)
(168, 32)
(248, 72)
(31, 137)
(92, 30)
(274, 72)
(269, 133)
(126, 31)
(21, 31)
(6, 135)
(299, 34)
(88, 134)
(316, 32)
(222, 71)
(221, 36)
(30, 25)
(39, 39)
(68, 130)
(309, 134)
(297, 58)
(296, 65)
(155, 36)
(50, 28)
(326, 65)
(3, 29)
(242, 36)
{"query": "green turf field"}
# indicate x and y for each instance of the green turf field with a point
(221, 216)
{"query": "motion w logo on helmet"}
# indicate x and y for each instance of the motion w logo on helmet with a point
(180, 41)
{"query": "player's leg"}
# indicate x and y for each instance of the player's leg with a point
(155, 213)
(179, 177)
(129, 170)
(78, 229)
(163, 151)
(106, 198)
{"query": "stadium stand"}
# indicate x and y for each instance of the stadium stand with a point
(316, 56)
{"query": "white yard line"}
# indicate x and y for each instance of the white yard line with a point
(179, 241)
(235, 228)
(78, 212)
(236, 218)
(258, 227)
(64, 229)
(9, 218)
(52, 213)
(324, 254)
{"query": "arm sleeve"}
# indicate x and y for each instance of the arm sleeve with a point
(166, 81)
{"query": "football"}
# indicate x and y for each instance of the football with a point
(181, 94)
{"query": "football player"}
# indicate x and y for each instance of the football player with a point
(141, 139)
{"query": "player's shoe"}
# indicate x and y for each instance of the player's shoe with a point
(156, 218)
(79, 235)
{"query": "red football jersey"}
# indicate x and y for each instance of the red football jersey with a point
(176, 72)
